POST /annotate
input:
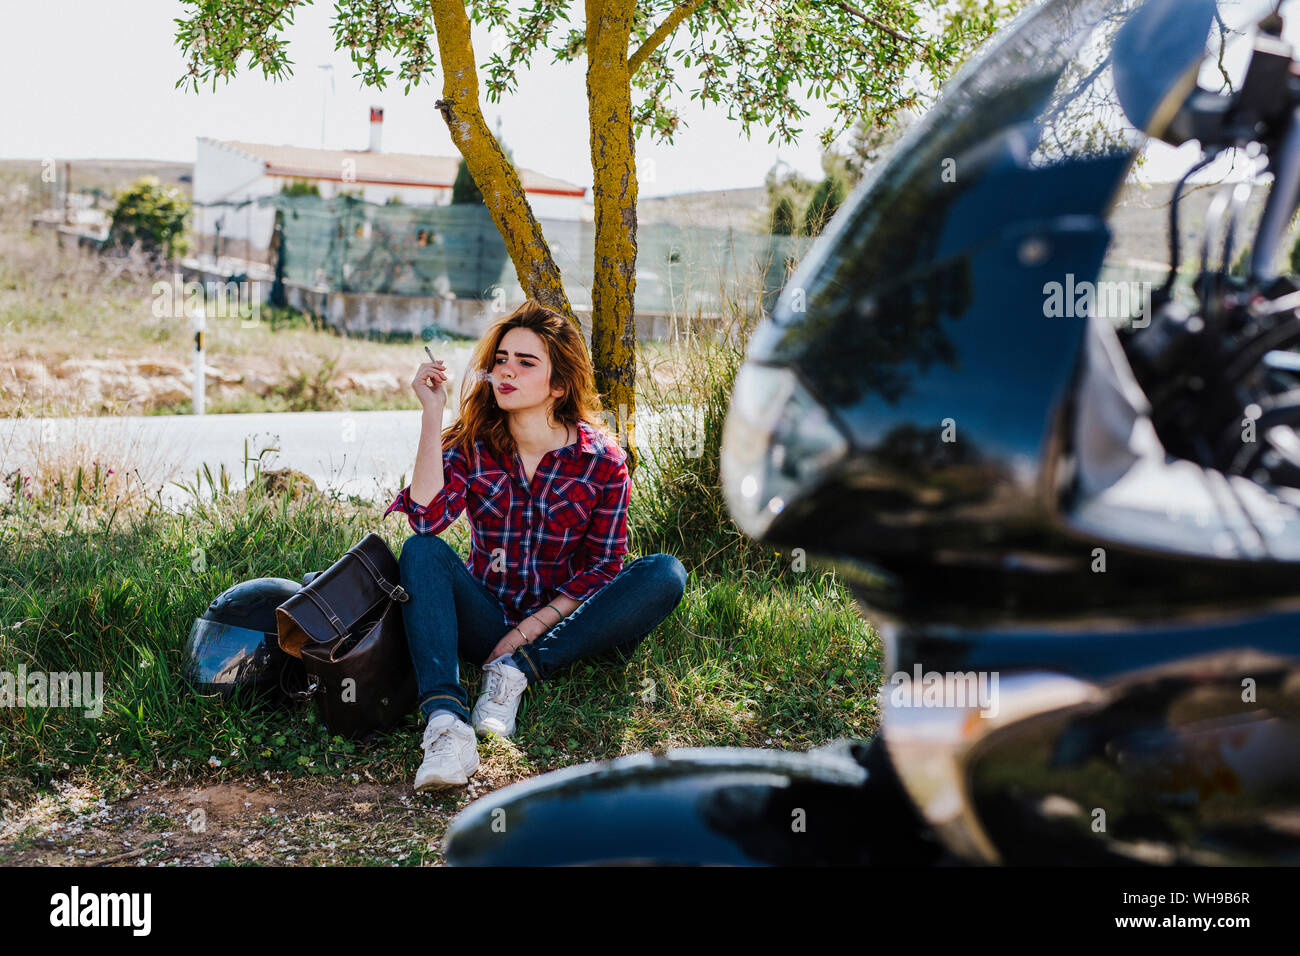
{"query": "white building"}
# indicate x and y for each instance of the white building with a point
(228, 171)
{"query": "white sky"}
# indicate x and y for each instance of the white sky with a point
(94, 79)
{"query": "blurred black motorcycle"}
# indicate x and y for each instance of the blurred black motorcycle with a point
(1068, 497)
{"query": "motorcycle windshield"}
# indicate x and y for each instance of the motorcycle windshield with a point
(923, 314)
(1040, 98)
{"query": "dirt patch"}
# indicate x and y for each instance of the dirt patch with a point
(270, 820)
(134, 386)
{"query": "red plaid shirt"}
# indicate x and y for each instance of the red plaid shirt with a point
(566, 534)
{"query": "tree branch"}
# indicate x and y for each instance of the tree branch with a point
(878, 24)
(1223, 46)
(679, 13)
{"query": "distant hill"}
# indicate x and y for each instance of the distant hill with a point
(108, 175)
(1140, 219)
(743, 209)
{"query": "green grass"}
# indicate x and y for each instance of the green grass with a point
(764, 655)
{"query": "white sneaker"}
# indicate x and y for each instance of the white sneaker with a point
(503, 686)
(450, 753)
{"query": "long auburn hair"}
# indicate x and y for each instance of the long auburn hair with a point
(481, 416)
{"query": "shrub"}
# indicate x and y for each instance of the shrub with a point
(787, 192)
(300, 187)
(783, 223)
(464, 190)
(827, 197)
(151, 214)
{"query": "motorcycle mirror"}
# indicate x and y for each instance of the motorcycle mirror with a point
(1167, 32)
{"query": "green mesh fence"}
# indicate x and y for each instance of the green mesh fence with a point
(348, 245)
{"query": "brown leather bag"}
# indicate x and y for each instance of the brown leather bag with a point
(346, 626)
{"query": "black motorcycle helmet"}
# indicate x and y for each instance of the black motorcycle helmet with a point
(235, 644)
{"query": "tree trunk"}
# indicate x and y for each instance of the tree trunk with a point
(614, 193)
(494, 174)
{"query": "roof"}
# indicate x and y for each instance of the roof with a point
(390, 169)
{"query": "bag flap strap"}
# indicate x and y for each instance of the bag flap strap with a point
(326, 610)
(394, 591)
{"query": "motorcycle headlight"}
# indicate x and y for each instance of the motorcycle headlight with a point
(777, 444)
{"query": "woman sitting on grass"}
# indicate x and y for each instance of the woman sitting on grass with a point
(547, 492)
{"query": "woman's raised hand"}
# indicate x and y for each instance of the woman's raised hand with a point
(428, 385)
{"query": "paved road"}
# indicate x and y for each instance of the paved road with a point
(360, 453)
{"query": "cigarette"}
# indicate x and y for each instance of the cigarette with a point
(427, 380)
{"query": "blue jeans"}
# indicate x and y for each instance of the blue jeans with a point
(451, 615)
